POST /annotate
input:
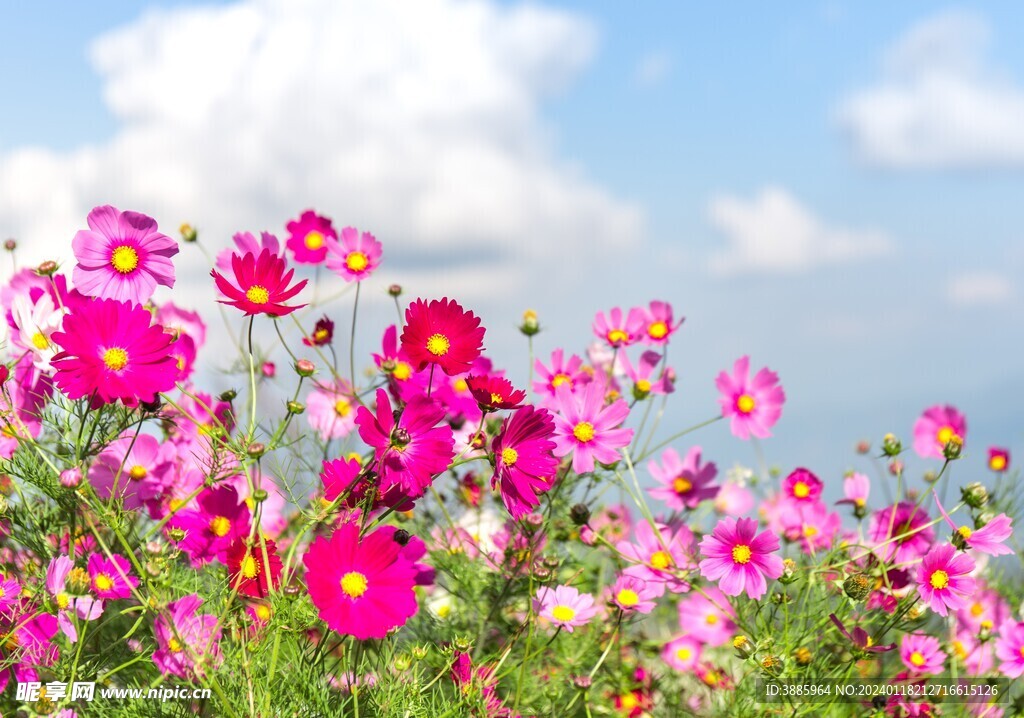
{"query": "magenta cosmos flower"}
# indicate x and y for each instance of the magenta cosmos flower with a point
(642, 374)
(587, 429)
(523, 463)
(569, 372)
(111, 578)
(998, 459)
(802, 487)
(911, 536)
(659, 325)
(738, 559)
(362, 587)
(619, 330)
(211, 525)
(752, 405)
(659, 555)
(136, 469)
(990, 538)
(354, 256)
(112, 351)
(707, 616)
(1010, 649)
(943, 579)
(682, 653)
(934, 429)
(187, 641)
(922, 654)
(260, 286)
(564, 606)
(684, 482)
(441, 333)
(411, 450)
(307, 237)
(494, 392)
(122, 256)
(631, 594)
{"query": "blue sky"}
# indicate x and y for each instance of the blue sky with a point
(685, 145)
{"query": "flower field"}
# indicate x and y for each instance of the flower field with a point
(412, 533)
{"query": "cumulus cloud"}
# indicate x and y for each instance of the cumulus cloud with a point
(419, 121)
(980, 289)
(939, 102)
(774, 234)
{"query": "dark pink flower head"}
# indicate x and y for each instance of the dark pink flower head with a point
(659, 325)
(122, 256)
(307, 237)
(411, 450)
(739, 558)
(339, 476)
(587, 429)
(212, 525)
(860, 638)
(111, 578)
(617, 330)
(802, 487)
(260, 285)
(943, 579)
(1010, 649)
(683, 483)
(187, 641)
(935, 428)
(323, 333)
(569, 372)
(494, 392)
(632, 594)
(998, 459)
(752, 405)
(363, 587)
(922, 654)
(524, 465)
(354, 256)
(441, 333)
(246, 243)
(911, 536)
(135, 468)
(111, 351)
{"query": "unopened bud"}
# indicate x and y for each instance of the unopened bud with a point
(10, 244)
(295, 407)
(953, 448)
(400, 436)
(891, 446)
(401, 537)
(895, 467)
(533, 520)
(857, 586)
(188, 233)
(304, 367)
(70, 478)
(530, 325)
(541, 574)
(175, 534)
(260, 495)
(863, 446)
(269, 369)
(580, 514)
(419, 652)
(462, 644)
(582, 682)
(975, 495)
(47, 268)
(255, 449)
(228, 395)
(930, 476)
(395, 290)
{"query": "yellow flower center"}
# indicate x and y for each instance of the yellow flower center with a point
(997, 462)
(342, 408)
(124, 259)
(1022, 651)
(682, 485)
(584, 431)
(353, 584)
(939, 579)
(917, 658)
(711, 678)
(559, 379)
(402, 371)
(964, 532)
(174, 645)
(945, 434)
(63, 600)
(262, 612)
(959, 650)
(628, 701)
(745, 403)
(438, 345)
(320, 334)
(627, 597)
(711, 619)
(103, 582)
(661, 560)
(137, 472)
(257, 294)
(496, 398)
(356, 261)
(39, 341)
(986, 624)
(509, 456)
(684, 653)
(115, 358)
(563, 614)
(859, 502)
(314, 240)
(977, 609)
(657, 330)
(249, 568)
(643, 386)
(801, 490)
(460, 385)
(810, 531)
(220, 526)
(741, 553)
(617, 336)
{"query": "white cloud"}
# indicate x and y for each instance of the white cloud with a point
(653, 69)
(774, 234)
(418, 121)
(980, 289)
(939, 103)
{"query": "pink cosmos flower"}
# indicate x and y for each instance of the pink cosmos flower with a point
(10, 593)
(246, 243)
(998, 459)
(494, 392)
(935, 427)
(922, 654)
(112, 351)
(441, 333)
(111, 578)
(523, 463)
(707, 616)
(182, 322)
(187, 641)
(411, 450)
(990, 538)
(986, 610)
(943, 578)
(587, 429)
(86, 608)
(733, 499)
(910, 531)
(631, 594)
(738, 559)
(22, 404)
(331, 409)
(856, 488)
(812, 525)
(1010, 649)
(978, 658)
(659, 325)
(307, 237)
(260, 285)
(122, 256)
(564, 606)
(363, 587)
(660, 557)
(354, 256)
(753, 406)
(802, 487)
(28, 644)
(682, 653)
(212, 525)
(617, 330)
(134, 468)
(569, 372)
(642, 375)
(684, 482)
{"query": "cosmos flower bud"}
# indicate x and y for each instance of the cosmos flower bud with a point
(400, 436)
(550, 562)
(295, 407)
(269, 369)
(788, 572)
(70, 478)
(462, 644)
(580, 514)
(419, 652)
(802, 655)
(260, 495)
(47, 268)
(541, 573)
(974, 495)
(582, 682)
(188, 233)
(857, 586)
(891, 446)
(175, 534)
(953, 447)
(530, 325)
(402, 663)
(401, 537)
(228, 395)
(255, 449)
(395, 290)
(304, 367)
(10, 244)
(742, 645)
(863, 446)
(983, 519)
(533, 521)
(930, 476)
(895, 467)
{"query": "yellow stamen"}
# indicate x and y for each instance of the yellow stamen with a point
(657, 330)
(342, 408)
(220, 526)
(63, 600)
(741, 554)
(174, 645)
(801, 490)
(460, 385)
(39, 341)
(353, 584)
(584, 432)
(496, 398)
(263, 612)
(509, 456)
(627, 597)
(438, 345)
(964, 532)
(682, 485)
(745, 403)
(314, 240)
(661, 560)
(124, 259)
(115, 358)
(917, 659)
(559, 379)
(563, 614)
(977, 609)
(939, 579)
(945, 434)
(810, 531)
(257, 294)
(643, 386)
(684, 653)
(617, 336)
(997, 462)
(402, 371)
(356, 261)
(249, 568)
(711, 619)
(137, 472)
(102, 582)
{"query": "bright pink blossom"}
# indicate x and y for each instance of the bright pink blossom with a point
(619, 330)
(659, 325)
(708, 616)
(564, 606)
(802, 487)
(659, 557)
(934, 429)
(684, 483)
(910, 536)
(682, 653)
(331, 409)
(187, 641)
(134, 468)
(944, 580)
(111, 578)
(212, 525)
(1010, 649)
(307, 237)
(246, 243)
(589, 430)
(260, 285)
(642, 375)
(561, 371)
(856, 488)
(443, 333)
(990, 538)
(740, 560)
(631, 594)
(752, 405)
(998, 459)
(523, 463)
(922, 654)
(354, 256)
